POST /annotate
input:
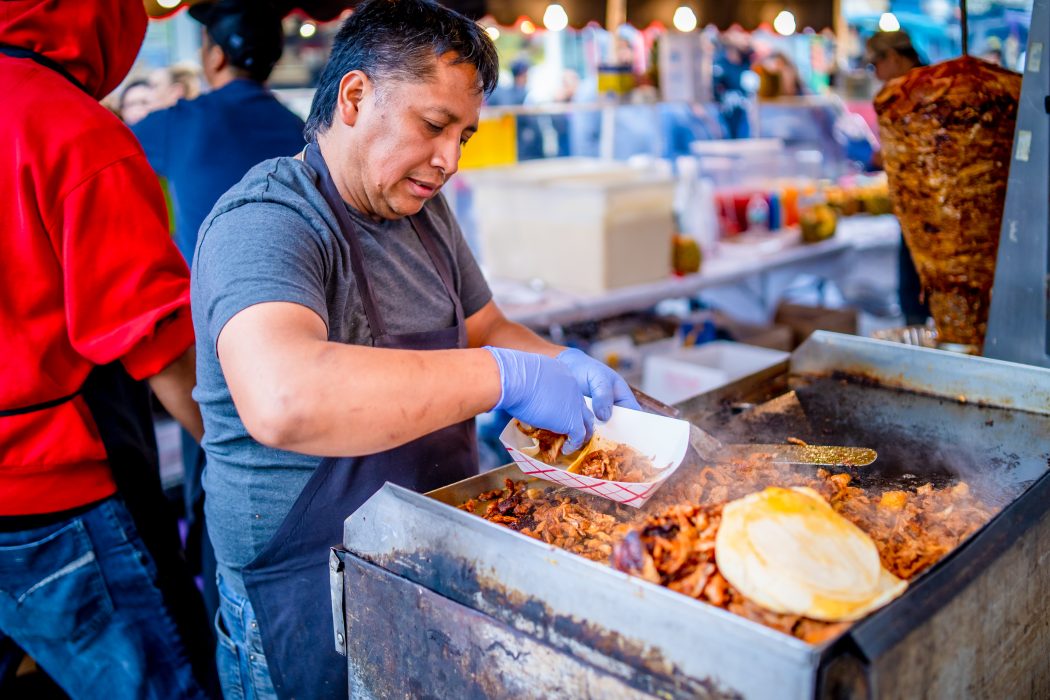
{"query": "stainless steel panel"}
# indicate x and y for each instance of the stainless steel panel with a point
(1019, 320)
(497, 571)
(935, 372)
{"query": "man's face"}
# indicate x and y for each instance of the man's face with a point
(406, 141)
(165, 92)
(889, 65)
(136, 104)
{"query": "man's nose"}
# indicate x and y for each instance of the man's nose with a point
(446, 156)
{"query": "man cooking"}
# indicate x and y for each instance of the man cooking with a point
(347, 338)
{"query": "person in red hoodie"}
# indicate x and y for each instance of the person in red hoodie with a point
(94, 305)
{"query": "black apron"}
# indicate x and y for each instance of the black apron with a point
(288, 583)
(122, 411)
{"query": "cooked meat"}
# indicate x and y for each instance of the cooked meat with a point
(893, 500)
(947, 133)
(623, 463)
(671, 540)
(550, 443)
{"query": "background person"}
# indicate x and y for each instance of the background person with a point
(892, 55)
(174, 83)
(136, 101)
(95, 303)
(341, 321)
(730, 72)
(203, 147)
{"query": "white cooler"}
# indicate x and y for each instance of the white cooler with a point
(578, 224)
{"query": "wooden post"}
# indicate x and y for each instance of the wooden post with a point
(615, 14)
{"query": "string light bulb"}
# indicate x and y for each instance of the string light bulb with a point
(307, 29)
(493, 32)
(784, 24)
(168, 4)
(527, 27)
(555, 18)
(684, 19)
(888, 22)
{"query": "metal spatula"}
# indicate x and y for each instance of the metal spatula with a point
(711, 448)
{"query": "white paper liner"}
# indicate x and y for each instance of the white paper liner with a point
(663, 440)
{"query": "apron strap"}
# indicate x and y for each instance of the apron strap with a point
(357, 258)
(19, 52)
(42, 406)
(426, 237)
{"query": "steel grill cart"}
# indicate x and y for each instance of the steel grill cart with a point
(433, 601)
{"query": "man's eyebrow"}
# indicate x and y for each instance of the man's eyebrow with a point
(445, 112)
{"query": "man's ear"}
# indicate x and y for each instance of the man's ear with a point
(352, 89)
(216, 58)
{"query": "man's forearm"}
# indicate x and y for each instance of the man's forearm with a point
(344, 400)
(173, 386)
(508, 334)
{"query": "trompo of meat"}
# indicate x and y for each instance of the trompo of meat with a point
(947, 132)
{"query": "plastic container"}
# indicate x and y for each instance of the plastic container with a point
(577, 224)
(688, 372)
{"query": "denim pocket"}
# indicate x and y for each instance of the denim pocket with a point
(56, 584)
(228, 660)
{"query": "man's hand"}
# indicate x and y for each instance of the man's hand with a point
(600, 382)
(542, 392)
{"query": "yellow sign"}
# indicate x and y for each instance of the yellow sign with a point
(495, 143)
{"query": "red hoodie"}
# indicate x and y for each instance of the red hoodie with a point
(88, 272)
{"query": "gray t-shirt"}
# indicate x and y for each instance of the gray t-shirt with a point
(273, 237)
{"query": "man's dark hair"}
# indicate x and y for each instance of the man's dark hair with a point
(248, 32)
(399, 40)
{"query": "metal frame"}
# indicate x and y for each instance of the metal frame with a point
(1019, 320)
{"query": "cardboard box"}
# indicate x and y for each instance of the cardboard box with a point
(774, 337)
(803, 320)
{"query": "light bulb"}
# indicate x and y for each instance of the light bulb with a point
(168, 4)
(684, 19)
(784, 23)
(555, 18)
(307, 30)
(527, 27)
(493, 32)
(888, 22)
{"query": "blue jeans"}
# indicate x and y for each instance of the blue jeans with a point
(81, 598)
(243, 672)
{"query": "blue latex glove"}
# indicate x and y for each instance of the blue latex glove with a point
(543, 393)
(600, 382)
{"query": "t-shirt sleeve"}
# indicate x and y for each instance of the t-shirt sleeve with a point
(153, 133)
(256, 253)
(126, 286)
(474, 291)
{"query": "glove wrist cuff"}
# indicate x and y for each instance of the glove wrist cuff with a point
(497, 356)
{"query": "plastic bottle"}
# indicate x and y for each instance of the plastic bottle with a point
(775, 214)
(758, 214)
